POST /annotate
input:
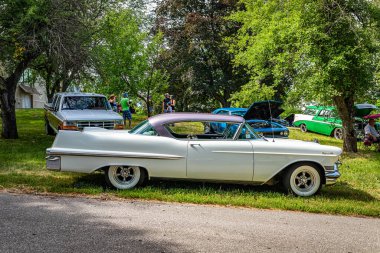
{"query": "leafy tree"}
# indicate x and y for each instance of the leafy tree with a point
(325, 50)
(34, 29)
(126, 57)
(196, 57)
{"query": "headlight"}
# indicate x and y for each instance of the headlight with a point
(286, 133)
(69, 123)
(119, 124)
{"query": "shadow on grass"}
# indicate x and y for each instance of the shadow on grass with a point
(340, 191)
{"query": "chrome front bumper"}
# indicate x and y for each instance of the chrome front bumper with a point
(332, 173)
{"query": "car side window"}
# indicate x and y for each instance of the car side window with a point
(247, 133)
(188, 129)
(324, 113)
(310, 111)
(57, 103)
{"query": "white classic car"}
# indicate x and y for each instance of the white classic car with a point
(183, 146)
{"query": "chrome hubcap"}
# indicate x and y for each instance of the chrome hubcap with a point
(124, 174)
(338, 133)
(303, 180)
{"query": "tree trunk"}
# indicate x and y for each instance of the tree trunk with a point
(8, 112)
(345, 106)
(8, 100)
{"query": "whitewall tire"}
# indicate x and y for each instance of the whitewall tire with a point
(124, 177)
(303, 180)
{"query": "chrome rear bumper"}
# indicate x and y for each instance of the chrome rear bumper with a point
(53, 162)
(332, 173)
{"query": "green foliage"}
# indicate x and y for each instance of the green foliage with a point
(321, 50)
(196, 57)
(125, 57)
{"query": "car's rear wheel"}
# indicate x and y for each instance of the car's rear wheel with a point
(338, 133)
(124, 177)
(302, 180)
(303, 128)
(48, 129)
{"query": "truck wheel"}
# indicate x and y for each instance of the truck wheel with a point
(48, 129)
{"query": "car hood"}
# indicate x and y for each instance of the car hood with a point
(362, 110)
(264, 110)
(90, 115)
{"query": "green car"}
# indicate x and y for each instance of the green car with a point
(325, 120)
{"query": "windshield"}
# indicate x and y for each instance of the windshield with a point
(85, 103)
(246, 131)
(238, 113)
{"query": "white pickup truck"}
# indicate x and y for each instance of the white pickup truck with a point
(74, 111)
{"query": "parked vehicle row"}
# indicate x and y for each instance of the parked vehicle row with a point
(325, 120)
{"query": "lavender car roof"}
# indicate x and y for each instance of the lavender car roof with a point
(165, 118)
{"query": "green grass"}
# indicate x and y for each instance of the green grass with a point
(22, 168)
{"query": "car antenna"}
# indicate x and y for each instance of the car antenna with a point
(270, 114)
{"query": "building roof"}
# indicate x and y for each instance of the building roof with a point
(28, 89)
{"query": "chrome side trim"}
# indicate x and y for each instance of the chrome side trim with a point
(234, 152)
(101, 153)
(332, 173)
(276, 153)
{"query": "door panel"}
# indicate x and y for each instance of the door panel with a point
(220, 160)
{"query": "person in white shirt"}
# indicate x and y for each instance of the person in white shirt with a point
(371, 132)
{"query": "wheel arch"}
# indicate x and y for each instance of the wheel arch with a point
(282, 172)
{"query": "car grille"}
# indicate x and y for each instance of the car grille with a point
(102, 124)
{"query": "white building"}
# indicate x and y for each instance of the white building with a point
(30, 97)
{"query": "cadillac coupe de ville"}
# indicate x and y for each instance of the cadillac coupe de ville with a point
(182, 146)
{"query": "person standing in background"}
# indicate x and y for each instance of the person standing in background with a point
(150, 105)
(125, 109)
(165, 103)
(112, 101)
(172, 102)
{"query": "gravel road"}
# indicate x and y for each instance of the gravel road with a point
(31, 223)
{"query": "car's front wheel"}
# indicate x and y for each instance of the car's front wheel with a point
(124, 177)
(303, 128)
(303, 180)
(338, 133)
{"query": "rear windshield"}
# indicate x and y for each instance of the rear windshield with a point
(85, 103)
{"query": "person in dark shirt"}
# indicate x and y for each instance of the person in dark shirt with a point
(165, 103)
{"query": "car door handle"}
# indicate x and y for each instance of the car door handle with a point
(195, 144)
